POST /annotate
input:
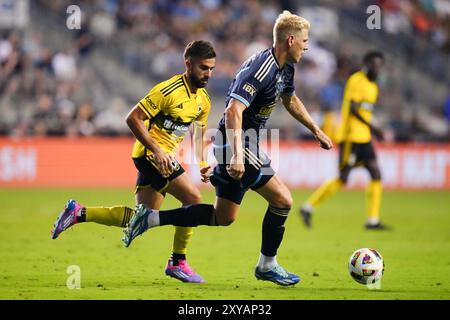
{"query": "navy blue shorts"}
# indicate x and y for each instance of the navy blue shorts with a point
(257, 173)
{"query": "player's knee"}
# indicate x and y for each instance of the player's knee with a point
(192, 198)
(225, 221)
(375, 173)
(376, 176)
(343, 179)
(343, 176)
(283, 201)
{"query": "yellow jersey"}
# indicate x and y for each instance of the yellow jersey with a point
(171, 108)
(364, 92)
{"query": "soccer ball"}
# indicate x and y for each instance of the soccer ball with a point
(366, 266)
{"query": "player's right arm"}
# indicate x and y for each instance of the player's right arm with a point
(147, 108)
(248, 83)
(233, 126)
(297, 110)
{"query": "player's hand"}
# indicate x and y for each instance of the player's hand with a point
(205, 172)
(324, 140)
(378, 133)
(164, 163)
(236, 167)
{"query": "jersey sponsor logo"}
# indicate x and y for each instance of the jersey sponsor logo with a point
(174, 126)
(167, 123)
(249, 88)
(265, 111)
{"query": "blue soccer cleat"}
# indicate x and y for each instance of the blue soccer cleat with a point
(67, 218)
(137, 225)
(277, 275)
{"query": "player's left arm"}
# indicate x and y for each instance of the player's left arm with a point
(297, 110)
(354, 106)
(201, 150)
(200, 142)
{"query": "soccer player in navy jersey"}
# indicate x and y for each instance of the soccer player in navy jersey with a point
(260, 82)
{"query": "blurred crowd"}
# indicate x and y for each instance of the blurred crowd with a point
(427, 18)
(50, 92)
(53, 91)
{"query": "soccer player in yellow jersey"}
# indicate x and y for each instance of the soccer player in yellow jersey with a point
(159, 122)
(354, 135)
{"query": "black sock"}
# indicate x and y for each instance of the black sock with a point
(176, 257)
(273, 230)
(82, 216)
(189, 216)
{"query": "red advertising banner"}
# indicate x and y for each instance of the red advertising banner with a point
(58, 162)
(106, 162)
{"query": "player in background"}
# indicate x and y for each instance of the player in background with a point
(159, 122)
(252, 96)
(354, 135)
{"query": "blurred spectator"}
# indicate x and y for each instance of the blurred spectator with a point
(55, 90)
(64, 66)
(447, 108)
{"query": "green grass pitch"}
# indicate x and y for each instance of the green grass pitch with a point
(416, 253)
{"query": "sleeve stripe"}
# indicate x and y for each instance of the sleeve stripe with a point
(145, 110)
(167, 88)
(186, 86)
(173, 89)
(207, 96)
(266, 71)
(241, 99)
(258, 73)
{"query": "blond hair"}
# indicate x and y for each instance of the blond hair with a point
(287, 24)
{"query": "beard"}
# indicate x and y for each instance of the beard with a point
(372, 75)
(198, 82)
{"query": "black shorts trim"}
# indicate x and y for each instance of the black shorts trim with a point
(355, 154)
(149, 175)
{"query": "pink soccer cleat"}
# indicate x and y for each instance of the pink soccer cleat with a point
(183, 272)
(67, 218)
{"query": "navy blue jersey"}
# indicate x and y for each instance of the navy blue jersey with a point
(259, 84)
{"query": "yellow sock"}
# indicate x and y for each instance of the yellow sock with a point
(181, 239)
(373, 201)
(325, 191)
(117, 216)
